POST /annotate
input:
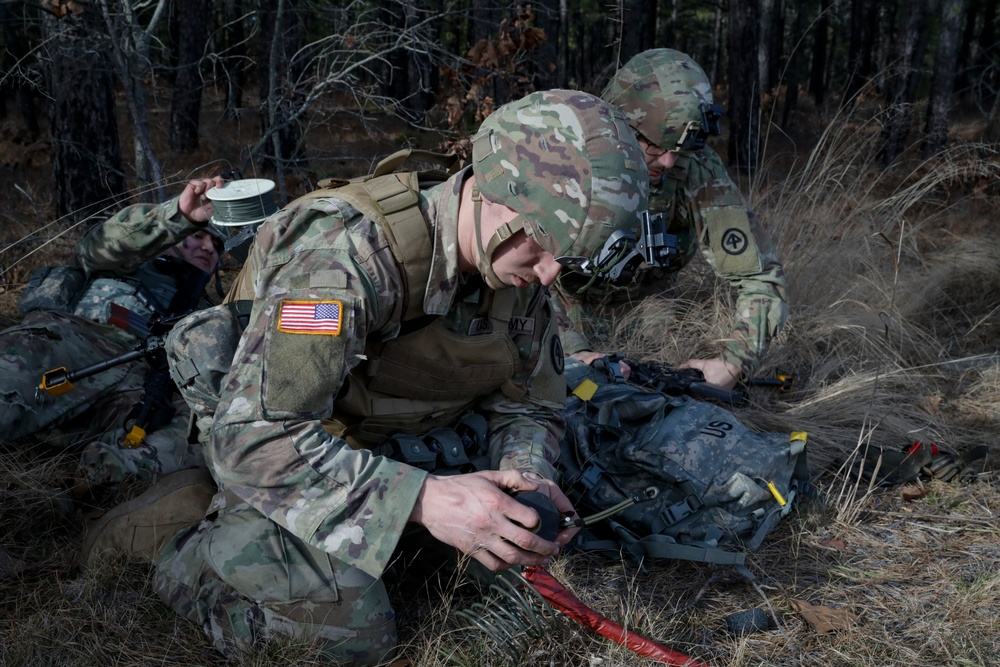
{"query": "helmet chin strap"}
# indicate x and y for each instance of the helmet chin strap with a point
(506, 230)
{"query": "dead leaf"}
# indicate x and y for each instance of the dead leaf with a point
(825, 620)
(932, 404)
(834, 543)
(912, 492)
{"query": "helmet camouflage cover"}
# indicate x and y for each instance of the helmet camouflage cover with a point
(660, 91)
(568, 163)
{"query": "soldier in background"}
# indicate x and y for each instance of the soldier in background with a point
(396, 310)
(149, 259)
(667, 99)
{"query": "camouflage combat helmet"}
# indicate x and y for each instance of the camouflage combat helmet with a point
(667, 98)
(568, 163)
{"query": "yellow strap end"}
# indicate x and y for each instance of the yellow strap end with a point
(586, 390)
(777, 494)
(135, 437)
(798, 435)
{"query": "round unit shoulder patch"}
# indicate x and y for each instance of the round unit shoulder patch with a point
(556, 350)
(735, 241)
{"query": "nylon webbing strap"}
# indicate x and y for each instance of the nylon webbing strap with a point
(391, 202)
(449, 162)
(658, 546)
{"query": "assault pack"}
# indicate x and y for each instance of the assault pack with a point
(681, 478)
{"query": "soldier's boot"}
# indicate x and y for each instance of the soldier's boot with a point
(141, 526)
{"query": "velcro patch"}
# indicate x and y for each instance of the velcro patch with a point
(733, 245)
(310, 317)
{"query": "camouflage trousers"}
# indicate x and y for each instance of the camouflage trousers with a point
(244, 579)
(93, 412)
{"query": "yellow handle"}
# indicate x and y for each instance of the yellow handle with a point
(56, 382)
(777, 494)
(134, 437)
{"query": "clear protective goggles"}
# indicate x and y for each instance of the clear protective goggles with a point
(622, 254)
(697, 132)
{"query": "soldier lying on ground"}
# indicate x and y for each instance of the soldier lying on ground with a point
(148, 259)
(667, 100)
(363, 326)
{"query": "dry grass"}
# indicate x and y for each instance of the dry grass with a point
(893, 279)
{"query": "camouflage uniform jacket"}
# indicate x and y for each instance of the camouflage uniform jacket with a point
(268, 442)
(707, 208)
(118, 254)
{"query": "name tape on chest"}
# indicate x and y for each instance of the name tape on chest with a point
(516, 326)
(311, 317)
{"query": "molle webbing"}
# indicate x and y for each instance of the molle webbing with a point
(391, 201)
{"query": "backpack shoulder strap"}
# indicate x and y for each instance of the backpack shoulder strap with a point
(392, 202)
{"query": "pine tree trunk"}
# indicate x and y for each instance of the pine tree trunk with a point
(794, 71)
(943, 86)
(562, 59)
(545, 56)
(234, 68)
(280, 38)
(770, 42)
(638, 27)
(821, 35)
(899, 92)
(185, 108)
(744, 85)
(855, 45)
(86, 155)
(717, 36)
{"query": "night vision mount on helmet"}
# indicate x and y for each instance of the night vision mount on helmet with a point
(623, 254)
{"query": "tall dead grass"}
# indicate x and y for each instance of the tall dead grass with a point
(892, 338)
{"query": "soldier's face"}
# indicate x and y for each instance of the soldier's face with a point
(199, 250)
(520, 262)
(658, 160)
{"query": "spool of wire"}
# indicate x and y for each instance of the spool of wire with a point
(243, 202)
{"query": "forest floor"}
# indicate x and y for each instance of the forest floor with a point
(894, 285)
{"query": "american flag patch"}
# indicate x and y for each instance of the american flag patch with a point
(310, 317)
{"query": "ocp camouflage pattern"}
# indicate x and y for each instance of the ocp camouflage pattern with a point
(287, 479)
(566, 161)
(95, 410)
(268, 440)
(112, 251)
(660, 91)
(705, 206)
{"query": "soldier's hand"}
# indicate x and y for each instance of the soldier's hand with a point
(475, 514)
(559, 499)
(589, 358)
(193, 204)
(718, 372)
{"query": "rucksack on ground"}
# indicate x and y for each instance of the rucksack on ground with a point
(709, 488)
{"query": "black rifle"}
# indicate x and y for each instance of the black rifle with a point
(156, 408)
(671, 381)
